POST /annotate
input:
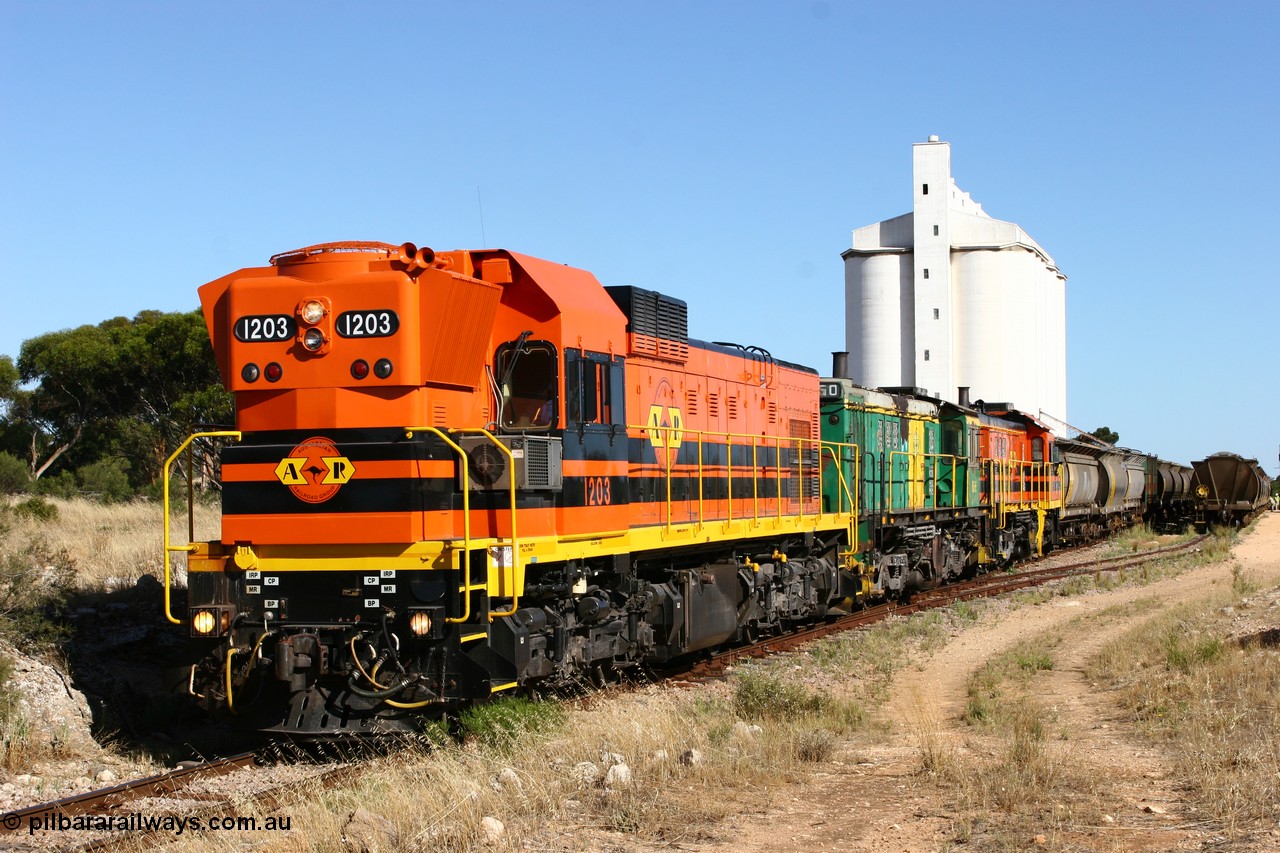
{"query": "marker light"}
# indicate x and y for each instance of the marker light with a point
(313, 339)
(273, 372)
(359, 368)
(312, 312)
(382, 368)
(250, 373)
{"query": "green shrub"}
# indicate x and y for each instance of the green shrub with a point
(761, 695)
(60, 485)
(35, 586)
(504, 723)
(35, 507)
(107, 480)
(14, 476)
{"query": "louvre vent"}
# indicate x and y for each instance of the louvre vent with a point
(773, 412)
(439, 415)
(713, 405)
(658, 325)
(733, 408)
(537, 464)
(691, 402)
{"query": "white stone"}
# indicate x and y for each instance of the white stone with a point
(492, 829)
(585, 772)
(691, 757)
(619, 776)
(56, 712)
(509, 779)
(366, 831)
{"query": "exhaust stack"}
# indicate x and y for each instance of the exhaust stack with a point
(840, 365)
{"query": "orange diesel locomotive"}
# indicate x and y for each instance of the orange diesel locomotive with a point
(461, 473)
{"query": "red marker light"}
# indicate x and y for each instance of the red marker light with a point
(360, 368)
(273, 372)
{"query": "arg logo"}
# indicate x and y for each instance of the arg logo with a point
(315, 470)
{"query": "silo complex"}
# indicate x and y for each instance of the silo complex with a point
(946, 296)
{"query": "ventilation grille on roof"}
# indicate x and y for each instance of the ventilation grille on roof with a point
(658, 325)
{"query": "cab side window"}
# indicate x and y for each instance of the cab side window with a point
(593, 388)
(527, 385)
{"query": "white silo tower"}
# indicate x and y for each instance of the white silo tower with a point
(946, 296)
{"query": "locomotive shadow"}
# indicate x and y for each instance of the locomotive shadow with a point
(130, 663)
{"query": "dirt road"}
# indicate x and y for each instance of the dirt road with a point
(875, 797)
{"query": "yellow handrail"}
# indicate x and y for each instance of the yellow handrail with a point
(516, 573)
(189, 547)
(923, 458)
(666, 436)
(467, 587)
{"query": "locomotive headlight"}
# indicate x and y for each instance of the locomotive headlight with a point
(203, 622)
(211, 621)
(312, 312)
(419, 622)
(313, 339)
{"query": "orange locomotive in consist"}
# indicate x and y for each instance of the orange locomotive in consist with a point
(461, 473)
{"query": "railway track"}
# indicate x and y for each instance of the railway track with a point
(195, 799)
(184, 791)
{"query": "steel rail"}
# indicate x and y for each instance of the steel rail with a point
(105, 800)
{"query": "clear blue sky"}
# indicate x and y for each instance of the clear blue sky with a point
(718, 151)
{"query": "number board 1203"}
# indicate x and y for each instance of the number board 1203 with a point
(264, 328)
(375, 323)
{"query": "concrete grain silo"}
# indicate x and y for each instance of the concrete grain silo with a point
(946, 296)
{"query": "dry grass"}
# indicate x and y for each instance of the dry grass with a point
(1210, 703)
(55, 553)
(545, 769)
(109, 545)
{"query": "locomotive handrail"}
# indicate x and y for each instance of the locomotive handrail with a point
(831, 448)
(189, 547)
(467, 587)
(516, 574)
(665, 435)
(924, 459)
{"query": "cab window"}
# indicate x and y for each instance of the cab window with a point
(527, 386)
(593, 388)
